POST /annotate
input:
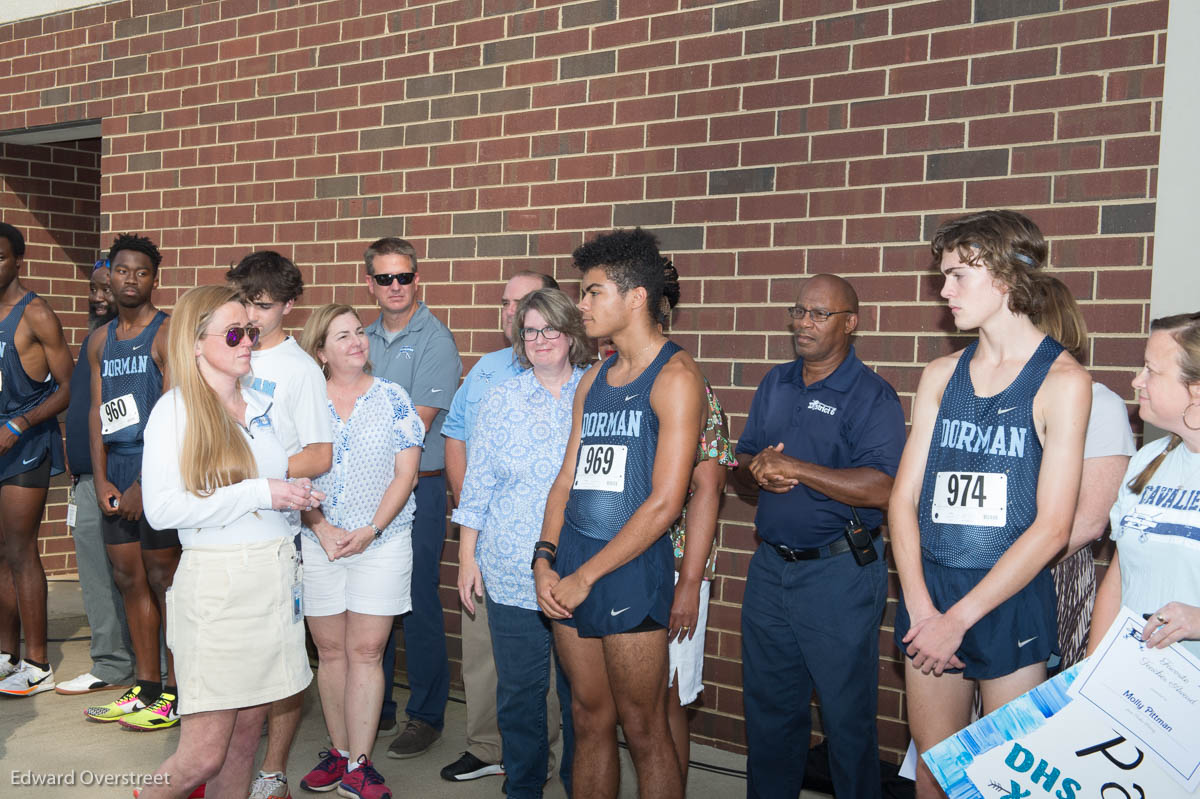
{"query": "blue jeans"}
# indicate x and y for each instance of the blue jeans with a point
(424, 627)
(813, 623)
(522, 645)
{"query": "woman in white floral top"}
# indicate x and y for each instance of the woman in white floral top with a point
(357, 547)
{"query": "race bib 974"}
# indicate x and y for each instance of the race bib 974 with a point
(118, 413)
(978, 499)
(601, 467)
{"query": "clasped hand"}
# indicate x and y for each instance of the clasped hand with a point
(769, 470)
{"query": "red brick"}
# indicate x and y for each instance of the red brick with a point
(1056, 157)
(843, 259)
(1125, 152)
(847, 145)
(1098, 251)
(917, 138)
(940, 13)
(777, 94)
(1057, 93)
(1109, 120)
(672, 133)
(893, 111)
(620, 34)
(770, 207)
(923, 197)
(807, 176)
(720, 156)
(1134, 84)
(866, 25)
(887, 170)
(926, 77)
(776, 150)
(687, 23)
(1138, 17)
(813, 118)
(744, 71)
(1059, 28)
(1010, 130)
(1109, 54)
(819, 61)
(656, 54)
(884, 228)
(969, 102)
(736, 237)
(845, 202)
(691, 211)
(708, 48)
(679, 79)
(1014, 66)
(849, 86)
(707, 103)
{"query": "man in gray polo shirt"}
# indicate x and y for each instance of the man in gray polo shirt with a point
(409, 346)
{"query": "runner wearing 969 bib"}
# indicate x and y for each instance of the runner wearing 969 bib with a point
(605, 565)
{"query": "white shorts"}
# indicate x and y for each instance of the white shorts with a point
(375, 582)
(687, 657)
(231, 626)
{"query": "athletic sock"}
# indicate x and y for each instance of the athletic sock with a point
(151, 689)
(42, 666)
(350, 764)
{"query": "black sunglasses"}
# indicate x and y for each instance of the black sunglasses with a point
(403, 278)
(234, 335)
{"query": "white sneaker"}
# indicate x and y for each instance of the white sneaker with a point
(6, 666)
(84, 684)
(27, 680)
(270, 786)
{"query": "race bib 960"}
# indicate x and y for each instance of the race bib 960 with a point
(118, 413)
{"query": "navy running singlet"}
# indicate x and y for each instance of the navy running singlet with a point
(616, 451)
(130, 384)
(20, 394)
(981, 476)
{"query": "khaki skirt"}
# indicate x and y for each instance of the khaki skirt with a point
(237, 637)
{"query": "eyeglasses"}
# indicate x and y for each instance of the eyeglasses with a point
(531, 333)
(234, 335)
(818, 315)
(403, 278)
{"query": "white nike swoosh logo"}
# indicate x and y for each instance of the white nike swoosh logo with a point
(617, 612)
(27, 462)
(1006, 410)
(138, 347)
(434, 390)
(1021, 644)
(631, 396)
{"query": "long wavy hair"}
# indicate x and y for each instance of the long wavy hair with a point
(214, 451)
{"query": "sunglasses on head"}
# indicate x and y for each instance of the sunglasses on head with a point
(403, 278)
(234, 335)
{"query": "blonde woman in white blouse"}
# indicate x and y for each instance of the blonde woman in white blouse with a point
(214, 469)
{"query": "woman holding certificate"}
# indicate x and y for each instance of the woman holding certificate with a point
(1156, 520)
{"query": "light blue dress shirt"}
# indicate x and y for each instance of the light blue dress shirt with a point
(514, 453)
(490, 370)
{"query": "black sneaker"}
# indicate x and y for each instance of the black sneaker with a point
(469, 767)
(415, 740)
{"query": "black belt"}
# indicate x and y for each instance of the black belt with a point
(838, 547)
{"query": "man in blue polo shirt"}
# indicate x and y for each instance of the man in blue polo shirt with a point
(821, 445)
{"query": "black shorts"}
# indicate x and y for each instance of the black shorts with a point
(1020, 631)
(37, 477)
(117, 530)
(634, 598)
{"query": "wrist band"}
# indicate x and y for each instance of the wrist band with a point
(12, 428)
(549, 546)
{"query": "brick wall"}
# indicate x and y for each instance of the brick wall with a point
(51, 192)
(761, 140)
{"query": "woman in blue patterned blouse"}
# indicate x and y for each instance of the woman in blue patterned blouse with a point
(514, 454)
(357, 547)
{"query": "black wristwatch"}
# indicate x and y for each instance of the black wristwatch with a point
(378, 532)
(542, 554)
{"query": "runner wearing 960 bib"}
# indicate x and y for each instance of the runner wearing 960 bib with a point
(605, 566)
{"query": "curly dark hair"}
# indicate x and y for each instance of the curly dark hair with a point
(132, 241)
(15, 239)
(266, 274)
(630, 259)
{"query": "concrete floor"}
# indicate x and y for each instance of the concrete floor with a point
(47, 736)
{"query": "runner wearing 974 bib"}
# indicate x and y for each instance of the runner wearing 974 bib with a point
(985, 494)
(605, 566)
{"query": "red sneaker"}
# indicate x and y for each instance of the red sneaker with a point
(364, 782)
(327, 774)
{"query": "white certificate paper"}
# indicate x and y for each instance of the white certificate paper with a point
(1150, 695)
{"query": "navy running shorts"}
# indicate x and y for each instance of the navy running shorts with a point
(1019, 632)
(623, 600)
